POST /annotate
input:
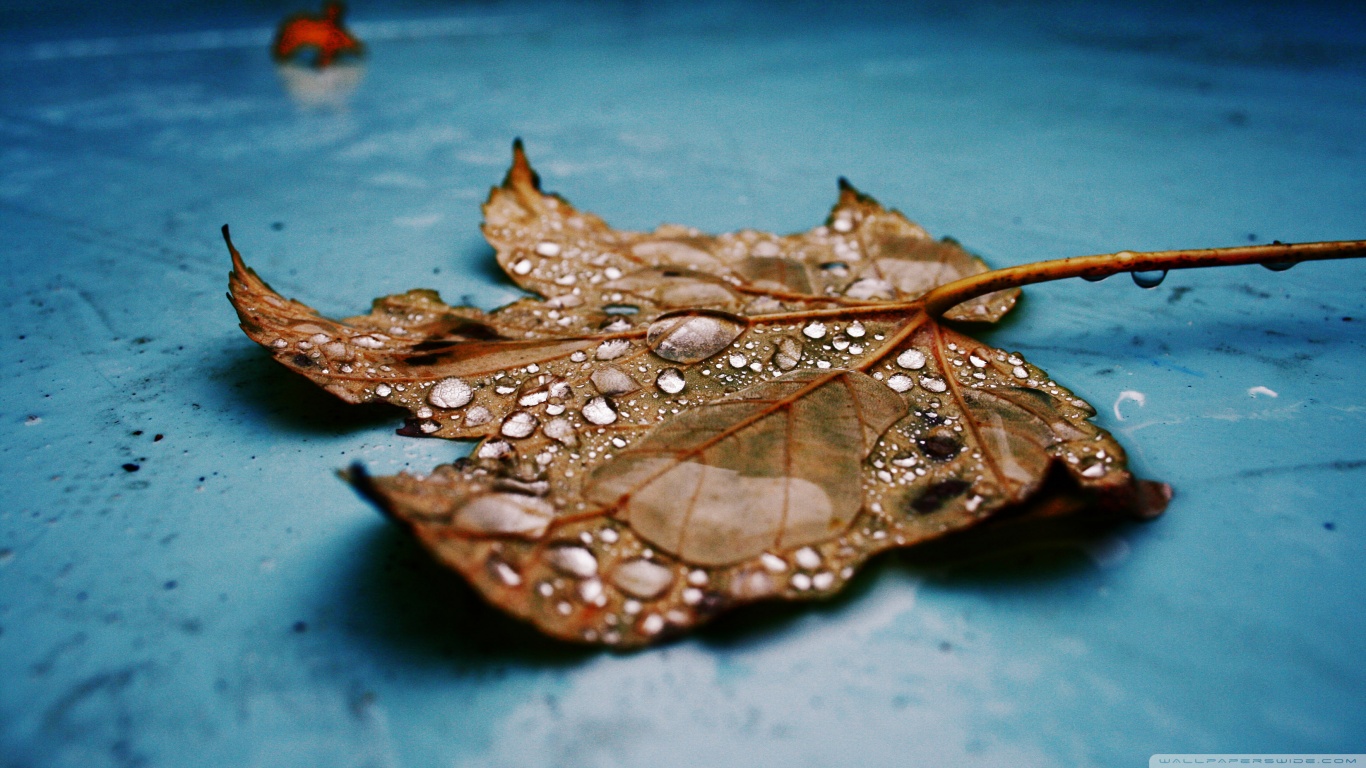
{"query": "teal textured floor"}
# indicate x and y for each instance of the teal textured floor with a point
(230, 602)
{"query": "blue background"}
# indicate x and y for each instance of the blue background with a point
(233, 603)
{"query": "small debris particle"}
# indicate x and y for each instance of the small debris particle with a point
(131, 467)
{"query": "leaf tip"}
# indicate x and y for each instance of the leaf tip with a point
(360, 480)
(521, 177)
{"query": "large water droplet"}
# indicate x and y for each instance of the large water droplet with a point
(450, 393)
(1149, 279)
(1093, 278)
(787, 353)
(612, 349)
(1279, 266)
(808, 558)
(671, 381)
(505, 514)
(519, 424)
(599, 411)
(691, 338)
(815, 330)
(900, 382)
(561, 430)
(911, 359)
(573, 561)
(478, 415)
(610, 380)
(642, 578)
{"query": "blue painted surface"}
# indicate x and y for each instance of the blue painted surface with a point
(231, 602)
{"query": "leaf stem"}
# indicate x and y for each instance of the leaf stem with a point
(945, 297)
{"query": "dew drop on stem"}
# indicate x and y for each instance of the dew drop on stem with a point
(1150, 279)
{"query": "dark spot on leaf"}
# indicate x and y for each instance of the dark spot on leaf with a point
(938, 495)
(302, 361)
(940, 447)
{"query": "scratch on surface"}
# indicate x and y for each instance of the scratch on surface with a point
(1129, 394)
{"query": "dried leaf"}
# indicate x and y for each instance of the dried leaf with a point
(689, 422)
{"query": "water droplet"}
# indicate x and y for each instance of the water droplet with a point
(856, 330)
(1020, 372)
(900, 382)
(1093, 278)
(870, 288)
(697, 578)
(534, 397)
(548, 249)
(692, 596)
(1279, 266)
(652, 624)
(504, 572)
(599, 411)
(911, 359)
(751, 585)
(801, 582)
(450, 393)
(578, 357)
(383, 390)
(976, 361)
(670, 380)
(738, 361)
(612, 349)
(642, 578)
(843, 224)
(609, 535)
(610, 380)
(772, 562)
(591, 591)
(823, 580)
(505, 514)
(521, 267)
(807, 558)
(787, 353)
(519, 424)
(1149, 279)
(561, 430)
(573, 561)
(933, 384)
(815, 330)
(494, 449)
(840, 342)
(691, 338)
(1094, 468)
(478, 415)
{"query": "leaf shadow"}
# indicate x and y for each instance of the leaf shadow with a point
(255, 384)
(985, 559)
(407, 603)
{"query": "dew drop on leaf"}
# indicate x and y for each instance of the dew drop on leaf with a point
(519, 424)
(610, 380)
(450, 393)
(599, 411)
(573, 561)
(670, 381)
(691, 338)
(644, 579)
(911, 359)
(787, 353)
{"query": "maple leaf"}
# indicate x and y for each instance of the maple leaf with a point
(684, 423)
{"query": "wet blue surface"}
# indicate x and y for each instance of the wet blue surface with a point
(183, 580)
